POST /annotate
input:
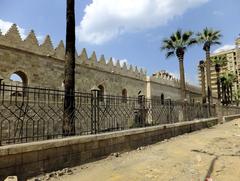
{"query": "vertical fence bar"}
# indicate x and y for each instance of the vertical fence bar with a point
(94, 109)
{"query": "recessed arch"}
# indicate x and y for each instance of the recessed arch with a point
(124, 95)
(20, 77)
(162, 98)
(101, 92)
(21, 80)
(1, 78)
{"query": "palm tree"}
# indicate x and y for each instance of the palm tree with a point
(237, 97)
(219, 61)
(69, 81)
(227, 81)
(177, 45)
(208, 38)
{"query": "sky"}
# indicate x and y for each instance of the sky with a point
(131, 31)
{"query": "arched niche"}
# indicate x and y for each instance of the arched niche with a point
(162, 99)
(124, 95)
(101, 92)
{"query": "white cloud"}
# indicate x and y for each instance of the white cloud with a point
(122, 61)
(224, 48)
(192, 80)
(40, 38)
(175, 74)
(106, 19)
(5, 25)
(218, 13)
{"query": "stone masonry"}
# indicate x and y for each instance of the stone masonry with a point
(43, 66)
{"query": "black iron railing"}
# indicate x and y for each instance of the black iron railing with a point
(31, 114)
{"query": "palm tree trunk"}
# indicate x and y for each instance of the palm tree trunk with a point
(68, 126)
(218, 85)
(228, 96)
(202, 68)
(223, 92)
(231, 94)
(209, 84)
(182, 78)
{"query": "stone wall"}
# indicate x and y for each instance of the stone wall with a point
(43, 65)
(31, 159)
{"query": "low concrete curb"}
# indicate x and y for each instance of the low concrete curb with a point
(30, 159)
(230, 118)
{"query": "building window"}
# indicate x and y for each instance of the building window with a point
(124, 95)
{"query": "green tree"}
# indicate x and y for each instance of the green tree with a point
(227, 81)
(237, 97)
(177, 45)
(69, 80)
(208, 37)
(219, 62)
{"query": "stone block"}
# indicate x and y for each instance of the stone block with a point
(7, 161)
(29, 157)
(91, 145)
(47, 154)
(30, 170)
(11, 178)
(85, 156)
(104, 143)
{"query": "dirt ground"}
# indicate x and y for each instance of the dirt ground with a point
(210, 153)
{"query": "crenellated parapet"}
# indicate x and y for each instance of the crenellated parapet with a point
(165, 78)
(109, 65)
(30, 44)
(95, 68)
(164, 81)
(163, 74)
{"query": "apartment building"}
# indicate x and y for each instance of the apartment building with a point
(233, 65)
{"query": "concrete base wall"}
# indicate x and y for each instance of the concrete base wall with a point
(31, 159)
(230, 118)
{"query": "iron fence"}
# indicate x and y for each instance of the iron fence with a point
(32, 114)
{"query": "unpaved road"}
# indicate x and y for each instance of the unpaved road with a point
(213, 152)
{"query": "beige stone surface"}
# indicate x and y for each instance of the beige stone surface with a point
(43, 65)
(11, 178)
(211, 152)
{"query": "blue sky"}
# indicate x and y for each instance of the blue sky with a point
(128, 30)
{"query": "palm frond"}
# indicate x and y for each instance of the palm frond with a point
(220, 60)
(178, 34)
(186, 36)
(170, 54)
(178, 41)
(209, 37)
(216, 43)
(167, 45)
(192, 41)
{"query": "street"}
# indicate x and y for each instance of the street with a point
(210, 153)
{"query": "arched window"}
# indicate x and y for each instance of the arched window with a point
(19, 79)
(101, 93)
(162, 99)
(124, 95)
